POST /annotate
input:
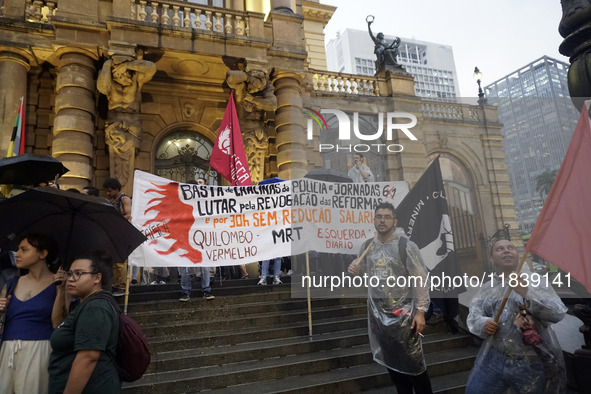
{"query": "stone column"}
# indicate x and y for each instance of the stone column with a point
(75, 110)
(289, 124)
(281, 6)
(14, 65)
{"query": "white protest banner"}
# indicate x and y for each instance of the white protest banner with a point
(208, 225)
(228, 225)
(334, 217)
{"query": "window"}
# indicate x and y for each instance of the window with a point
(342, 161)
(184, 155)
(460, 198)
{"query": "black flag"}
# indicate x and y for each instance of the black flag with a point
(424, 216)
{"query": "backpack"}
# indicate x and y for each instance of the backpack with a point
(133, 354)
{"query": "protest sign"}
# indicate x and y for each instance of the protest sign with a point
(336, 217)
(190, 224)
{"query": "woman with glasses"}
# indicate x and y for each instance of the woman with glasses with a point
(26, 305)
(83, 355)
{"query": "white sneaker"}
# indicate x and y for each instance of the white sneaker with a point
(185, 298)
(162, 282)
(154, 282)
(262, 281)
(277, 281)
(289, 272)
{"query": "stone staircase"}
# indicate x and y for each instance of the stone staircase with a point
(254, 339)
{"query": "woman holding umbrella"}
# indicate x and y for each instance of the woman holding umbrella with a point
(26, 304)
(84, 345)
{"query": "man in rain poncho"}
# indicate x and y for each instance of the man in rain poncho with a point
(521, 350)
(397, 304)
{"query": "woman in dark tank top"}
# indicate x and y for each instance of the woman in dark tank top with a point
(27, 307)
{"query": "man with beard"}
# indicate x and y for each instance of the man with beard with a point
(521, 351)
(397, 305)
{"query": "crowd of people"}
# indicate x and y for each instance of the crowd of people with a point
(47, 346)
(59, 330)
(520, 351)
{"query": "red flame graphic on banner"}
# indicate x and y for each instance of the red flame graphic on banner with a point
(179, 216)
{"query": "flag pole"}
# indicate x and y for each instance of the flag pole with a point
(308, 296)
(509, 289)
(127, 283)
(18, 126)
(365, 252)
(207, 175)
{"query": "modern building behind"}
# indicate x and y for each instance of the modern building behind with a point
(539, 120)
(432, 65)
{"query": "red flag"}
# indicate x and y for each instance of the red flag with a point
(228, 156)
(17, 141)
(562, 234)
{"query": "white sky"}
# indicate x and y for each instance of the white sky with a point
(498, 36)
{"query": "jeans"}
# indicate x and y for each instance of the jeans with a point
(496, 372)
(276, 267)
(406, 383)
(186, 279)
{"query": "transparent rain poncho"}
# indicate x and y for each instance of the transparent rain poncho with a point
(402, 289)
(527, 368)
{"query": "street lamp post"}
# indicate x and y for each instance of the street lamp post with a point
(490, 163)
(478, 78)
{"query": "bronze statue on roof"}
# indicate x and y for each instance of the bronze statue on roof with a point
(386, 52)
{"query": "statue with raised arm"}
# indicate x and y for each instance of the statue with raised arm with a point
(385, 52)
(121, 79)
(255, 95)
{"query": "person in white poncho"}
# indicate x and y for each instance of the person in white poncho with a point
(396, 311)
(520, 351)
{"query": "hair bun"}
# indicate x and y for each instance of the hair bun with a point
(103, 255)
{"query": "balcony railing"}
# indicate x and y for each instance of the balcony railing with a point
(450, 111)
(40, 11)
(362, 85)
(168, 13)
(190, 15)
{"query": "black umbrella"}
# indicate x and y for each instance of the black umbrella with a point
(30, 169)
(271, 181)
(79, 223)
(328, 175)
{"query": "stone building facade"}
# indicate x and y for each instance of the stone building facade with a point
(167, 66)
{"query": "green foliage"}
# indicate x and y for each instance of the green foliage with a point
(544, 182)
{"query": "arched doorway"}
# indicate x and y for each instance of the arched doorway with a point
(342, 159)
(183, 155)
(463, 212)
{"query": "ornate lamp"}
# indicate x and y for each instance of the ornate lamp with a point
(478, 78)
